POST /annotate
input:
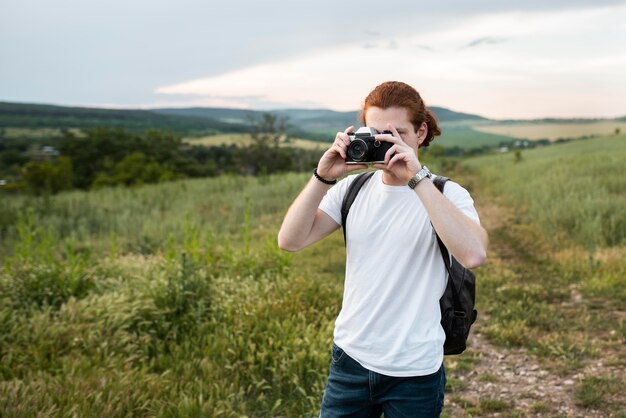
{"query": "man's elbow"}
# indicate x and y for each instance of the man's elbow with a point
(474, 259)
(287, 245)
(476, 256)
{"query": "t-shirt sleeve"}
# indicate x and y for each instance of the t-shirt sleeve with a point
(331, 202)
(461, 199)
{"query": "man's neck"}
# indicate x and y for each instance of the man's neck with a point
(391, 180)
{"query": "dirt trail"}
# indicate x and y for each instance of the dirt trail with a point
(510, 382)
(524, 386)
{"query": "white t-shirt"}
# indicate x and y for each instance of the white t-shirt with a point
(390, 316)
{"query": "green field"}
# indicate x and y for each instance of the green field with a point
(552, 131)
(173, 299)
(242, 140)
(453, 136)
(574, 192)
(466, 137)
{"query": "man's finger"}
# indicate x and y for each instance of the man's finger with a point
(353, 167)
(343, 136)
(389, 153)
(395, 159)
(338, 150)
(393, 130)
(387, 138)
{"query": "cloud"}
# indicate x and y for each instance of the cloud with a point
(538, 73)
(425, 47)
(385, 44)
(487, 40)
(372, 32)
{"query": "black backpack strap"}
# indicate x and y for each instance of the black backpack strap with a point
(440, 183)
(348, 199)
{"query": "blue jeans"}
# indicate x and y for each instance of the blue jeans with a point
(354, 391)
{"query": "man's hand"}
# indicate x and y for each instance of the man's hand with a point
(333, 163)
(401, 159)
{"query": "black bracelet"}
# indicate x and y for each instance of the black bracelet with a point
(317, 176)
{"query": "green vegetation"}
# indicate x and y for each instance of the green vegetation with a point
(109, 157)
(538, 130)
(556, 279)
(596, 391)
(574, 192)
(242, 140)
(33, 116)
(172, 299)
(466, 138)
(147, 302)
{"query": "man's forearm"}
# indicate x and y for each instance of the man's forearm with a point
(463, 236)
(300, 217)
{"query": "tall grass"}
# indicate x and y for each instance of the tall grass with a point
(166, 300)
(556, 280)
(143, 219)
(574, 192)
(173, 300)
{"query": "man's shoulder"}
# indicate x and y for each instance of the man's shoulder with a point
(451, 187)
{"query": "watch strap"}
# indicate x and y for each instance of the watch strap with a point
(421, 175)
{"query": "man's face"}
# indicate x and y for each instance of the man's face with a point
(398, 117)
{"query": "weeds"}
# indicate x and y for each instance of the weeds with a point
(594, 392)
(180, 319)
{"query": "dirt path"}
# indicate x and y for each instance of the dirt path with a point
(511, 382)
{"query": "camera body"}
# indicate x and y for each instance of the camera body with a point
(364, 148)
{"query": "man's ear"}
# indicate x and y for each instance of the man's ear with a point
(422, 132)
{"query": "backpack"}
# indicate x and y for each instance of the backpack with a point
(457, 303)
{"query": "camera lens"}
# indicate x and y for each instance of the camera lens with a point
(357, 150)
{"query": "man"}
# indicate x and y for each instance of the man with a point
(388, 350)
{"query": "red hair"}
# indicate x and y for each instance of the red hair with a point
(398, 94)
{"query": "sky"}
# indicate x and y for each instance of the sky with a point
(497, 58)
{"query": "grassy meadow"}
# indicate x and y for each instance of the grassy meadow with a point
(552, 130)
(245, 139)
(454, 136)
(173, 299)
(555, 281)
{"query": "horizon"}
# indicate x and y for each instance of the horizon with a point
(497, 59)
(104, 107)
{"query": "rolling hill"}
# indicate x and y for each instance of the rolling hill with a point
(22, 115)
(462, 130)
(186, 121)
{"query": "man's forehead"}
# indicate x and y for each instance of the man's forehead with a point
(378, 118)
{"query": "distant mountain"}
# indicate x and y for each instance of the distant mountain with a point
(306, 123)
(313, 123)
(319, 124)
(300, 115)
(20, 115)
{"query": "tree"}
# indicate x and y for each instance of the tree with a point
(97, 154)
(48, 176)
(134, 169)
(264, 155)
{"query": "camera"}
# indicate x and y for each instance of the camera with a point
(364, 148)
